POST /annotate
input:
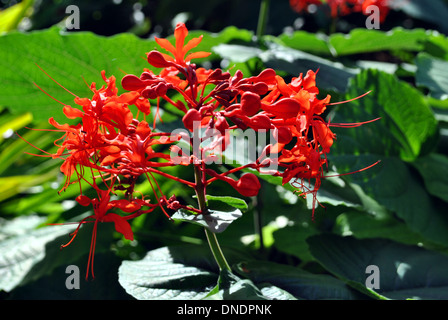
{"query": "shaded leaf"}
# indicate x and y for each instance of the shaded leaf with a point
(406, 272)
(22, 247)
(232, 287)
(431, 73)
(434, 170)
(297, 282)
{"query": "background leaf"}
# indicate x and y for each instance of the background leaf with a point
(406, 272)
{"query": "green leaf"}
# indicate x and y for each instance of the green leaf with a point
(437, 46)
(306, 41)
(393, 185)
(297, 282)
(431, 73)
(434, 170)
(405, 272)
(232, 287)
(160, 276)
(230, 201)
(332, 75)
(236, 53)
(406, 121)
(177, 272)
(434, 12)
(292, 240)
(22, 247)
(215, 221)
(363, 226)
(364, 40)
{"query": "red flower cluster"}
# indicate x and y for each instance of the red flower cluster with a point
(344, 7)
(110, 148)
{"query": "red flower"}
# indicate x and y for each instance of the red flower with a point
(111, 148)
(344, 7)
(178, 51)
(101, 208)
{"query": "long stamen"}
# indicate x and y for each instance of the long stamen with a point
(341, 102)
(352, 124)
(48, 153)
(347, 173)
(64, 104)
(92, 251)
(56, 81)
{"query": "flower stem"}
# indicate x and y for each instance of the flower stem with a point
(216, 250)
(262, 18)
(211, 237)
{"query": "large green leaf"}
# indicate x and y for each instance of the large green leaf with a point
(159, 276)
(30, 251)
(393, 185)
(292, 240)
(363, 226)
(405, 272)
(306, 41)
(189, 273)
(406, 122)
(297, 282)
(364, 40)
(434, 12)
(23, 247)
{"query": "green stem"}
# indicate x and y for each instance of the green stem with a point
(216, 250)
(332, 28)
(211, 237)
(262, 18)
(258, 219)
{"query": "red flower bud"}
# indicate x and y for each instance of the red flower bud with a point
(190, 117)
(282, 135)
(221, 124)
(131, 82)
(157, 60)
(250, 103)
(248, 185)
(285, 108)
(83, 200)
(260, 121)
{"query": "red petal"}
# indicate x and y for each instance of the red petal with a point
(285, 108)
(324, 135)
(121, 225)
(72, 113)
(126, 205)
